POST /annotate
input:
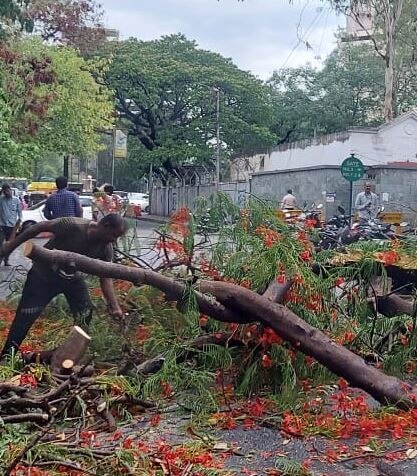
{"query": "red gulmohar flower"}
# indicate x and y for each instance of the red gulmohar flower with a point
(388, 257)
(305, 255)
(267, 362)
(28, 380)
(281, 279)
(339, 281)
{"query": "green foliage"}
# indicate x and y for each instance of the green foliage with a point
(289, 467)
(12, 14)
(80, 108)
(50, 105)
(166, 92)
(15, 158)
(348, 91)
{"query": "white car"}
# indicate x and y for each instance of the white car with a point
(141, 199)
(35, 214)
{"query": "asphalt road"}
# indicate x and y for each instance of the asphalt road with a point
(12, 276)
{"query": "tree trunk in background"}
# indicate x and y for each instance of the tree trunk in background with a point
(66, 166)
(392, 14)
(389, 64)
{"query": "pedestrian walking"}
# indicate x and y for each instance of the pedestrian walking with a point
(105, 202)
(289, 202)
(62, 203)
(44, 282)
(366, 204)
(10, 216)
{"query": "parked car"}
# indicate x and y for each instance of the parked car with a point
(141, 199)
(34, 214)
(124, 196)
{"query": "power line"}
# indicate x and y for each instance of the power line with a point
(306, 35)
(324, 32)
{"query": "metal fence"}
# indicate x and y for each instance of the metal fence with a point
(165, 200)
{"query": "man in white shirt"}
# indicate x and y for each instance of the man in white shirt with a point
(289, 202)
(10, 216)
(366, 203)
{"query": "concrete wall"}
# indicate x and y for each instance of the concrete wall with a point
(318, 184)
(312, 184)
(164, 200)
(393, 142)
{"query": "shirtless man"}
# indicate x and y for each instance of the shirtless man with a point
(44, 282)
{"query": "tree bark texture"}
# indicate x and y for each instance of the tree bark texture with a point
(247, 306)
(392, 14)
(71, 350)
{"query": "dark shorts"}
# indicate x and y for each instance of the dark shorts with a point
(41, 286)
(6, 233)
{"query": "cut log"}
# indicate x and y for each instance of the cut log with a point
(248, 306)
(67, 364)
(71, 351)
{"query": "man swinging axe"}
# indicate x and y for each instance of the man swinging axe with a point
(44, 282)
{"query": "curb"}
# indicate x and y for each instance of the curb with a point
(154, 219)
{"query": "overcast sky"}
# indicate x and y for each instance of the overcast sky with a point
(259, 35)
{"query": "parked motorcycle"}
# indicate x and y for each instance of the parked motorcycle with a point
(374, 228)
(337, 232)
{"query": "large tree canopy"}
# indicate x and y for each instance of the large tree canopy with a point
(80, 108)
(52, 101)
(166, 92)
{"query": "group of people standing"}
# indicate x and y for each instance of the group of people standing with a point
(65, 203)
(62, 203)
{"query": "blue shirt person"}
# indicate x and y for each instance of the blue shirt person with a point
(62, 203)
(10, 216)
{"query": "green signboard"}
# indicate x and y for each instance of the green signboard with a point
(352, 169)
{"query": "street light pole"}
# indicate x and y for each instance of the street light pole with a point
(218, 139)
(112, 156)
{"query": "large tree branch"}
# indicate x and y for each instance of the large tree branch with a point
(235, 303)
(173, 289)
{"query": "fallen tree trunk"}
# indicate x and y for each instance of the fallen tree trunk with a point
(172, 288)
(248, 306)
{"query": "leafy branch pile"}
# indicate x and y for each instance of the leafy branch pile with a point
(205, 328)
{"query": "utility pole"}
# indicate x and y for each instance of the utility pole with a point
(66, 166)
(150, 188)
(218, 139)
(112, 156)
